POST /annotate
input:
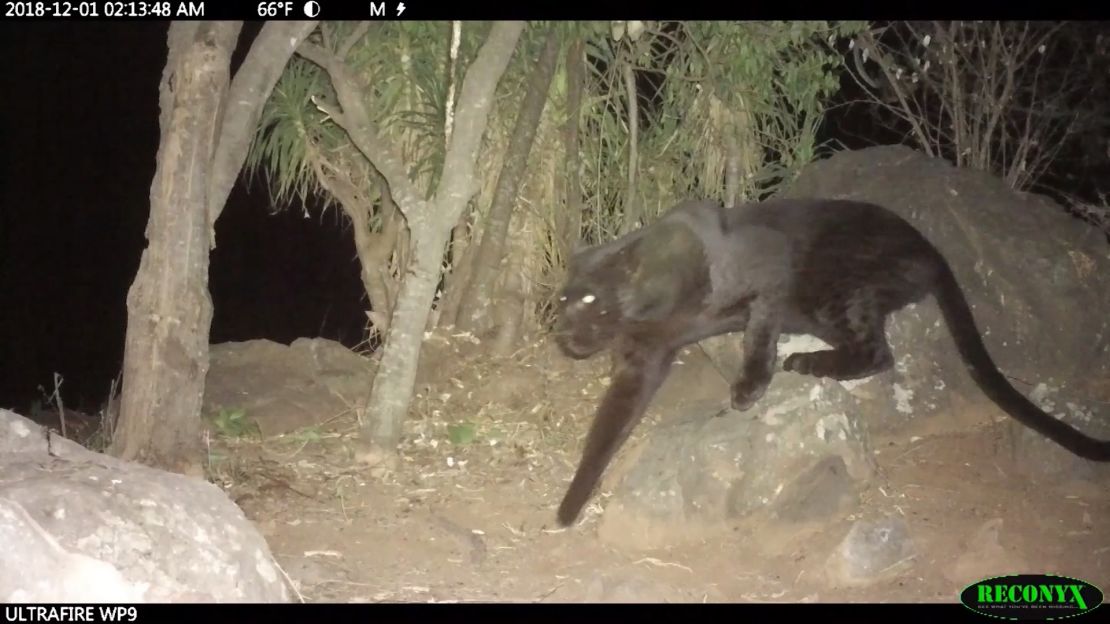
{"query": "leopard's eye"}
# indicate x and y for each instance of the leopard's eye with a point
(589, 299)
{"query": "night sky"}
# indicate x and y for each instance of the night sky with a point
(79, 134)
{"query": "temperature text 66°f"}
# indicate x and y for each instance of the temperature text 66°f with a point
(275, 9)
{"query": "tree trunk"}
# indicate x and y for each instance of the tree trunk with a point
(632, 210)
(478, 296)
(569, 221)
(448, 307)
(512, 298)
(732, 164)
(430, 225)
(169, 311)
(396, 375)
(462, 267)
(202, 150)
(375, 250)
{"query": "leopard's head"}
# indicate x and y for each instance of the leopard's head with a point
(636, 282)
(589, 311)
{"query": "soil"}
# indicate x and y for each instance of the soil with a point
(468, 512)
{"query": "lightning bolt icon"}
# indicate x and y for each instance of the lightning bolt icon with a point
(400, 8)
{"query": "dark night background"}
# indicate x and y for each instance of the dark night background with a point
(79, 136)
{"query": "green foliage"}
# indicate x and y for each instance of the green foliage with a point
(462, 433)
(402, 67)
(759, 85)
(233, 423)
(465, 433)
(291, 129)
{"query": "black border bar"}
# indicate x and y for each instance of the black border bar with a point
(517, 612)
(131, 10)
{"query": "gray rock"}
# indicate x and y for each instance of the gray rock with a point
(871, 551)
(47, 572)
(823, 491)
(702, 470)
(79, 526)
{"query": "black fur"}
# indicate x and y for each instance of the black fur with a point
(828, 268)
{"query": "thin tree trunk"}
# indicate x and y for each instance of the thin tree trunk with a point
(391, 393)
(477, 299)
(732, 162)
(509, 312)
(460, 236)
(169, 311)
(632, 210)
(462, 267)
(385, 255)
(374, 249)
(569, 221)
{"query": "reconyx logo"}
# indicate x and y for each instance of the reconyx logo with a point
(1031, 597)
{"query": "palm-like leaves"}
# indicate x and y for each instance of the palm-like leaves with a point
(755, 88)
(290, 130)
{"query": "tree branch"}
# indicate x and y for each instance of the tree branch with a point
(355, 120)
(348, 43)
(249, 90)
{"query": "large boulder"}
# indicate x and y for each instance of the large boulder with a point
(284, 388)
(802, 454)
(78, 526)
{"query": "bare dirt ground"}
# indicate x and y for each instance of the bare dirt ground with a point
(468, 515)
